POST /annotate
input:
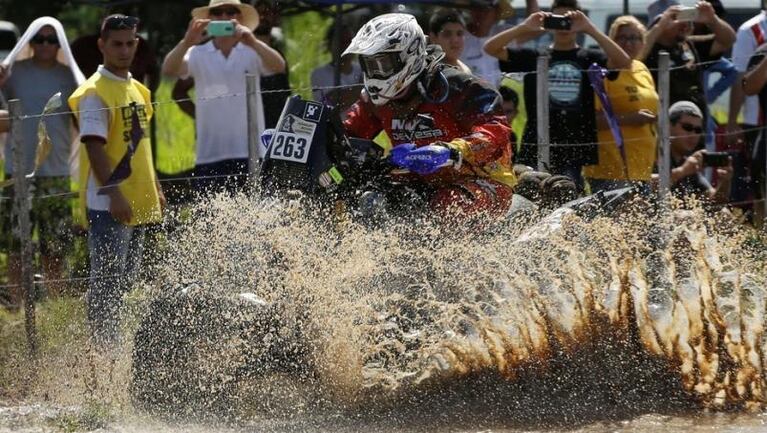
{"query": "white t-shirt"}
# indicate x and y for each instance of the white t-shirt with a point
(324, 76)
(94, 121)
(482, 64)
(221, 106)
(751, 35)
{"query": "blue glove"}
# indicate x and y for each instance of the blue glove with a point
(421, 160)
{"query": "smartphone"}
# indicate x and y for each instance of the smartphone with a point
(557, 22)
(716, 159)
(687, 14)
(220, 28)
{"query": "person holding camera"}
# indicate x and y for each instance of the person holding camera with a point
(688, 161)
(218, 67)
(571, 96)
(755, 83)
(634, 101)
(671, 32)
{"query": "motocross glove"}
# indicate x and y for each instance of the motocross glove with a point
(423, 160)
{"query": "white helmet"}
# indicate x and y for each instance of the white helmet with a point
(392, 50)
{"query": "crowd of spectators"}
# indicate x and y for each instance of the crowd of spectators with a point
(122, 70)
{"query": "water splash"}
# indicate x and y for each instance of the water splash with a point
(638, 306)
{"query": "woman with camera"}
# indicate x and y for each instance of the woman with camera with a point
(634, 101)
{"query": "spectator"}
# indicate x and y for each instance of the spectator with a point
(657, 7)
(119, 203)
(634, 101)
(750, 36)
(272, 99)
(687, 57)
(219, 67)
(725, 68)
(144, 69)
(180, 95)
(448, 30)
(351, 73)
(510, 104)
(754, 84)
(49, 69)
(573, 133)
(268, 32)
(484, 23)
(687, 163)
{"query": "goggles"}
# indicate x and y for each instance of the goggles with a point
(382, 65)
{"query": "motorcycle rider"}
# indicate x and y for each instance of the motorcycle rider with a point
(447, 127)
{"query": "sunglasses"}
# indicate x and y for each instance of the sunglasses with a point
(119, 22)
(219, 12)
(691, 128)
(41, 39)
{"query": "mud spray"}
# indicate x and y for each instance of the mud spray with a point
(415, 323)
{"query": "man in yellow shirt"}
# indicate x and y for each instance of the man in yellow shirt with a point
(119, 185)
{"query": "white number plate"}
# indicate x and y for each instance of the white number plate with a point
(293, 140)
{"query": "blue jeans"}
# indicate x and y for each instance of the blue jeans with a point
(115, 255)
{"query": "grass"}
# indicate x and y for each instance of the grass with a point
(305, 48)
(174, 132)
(60, 327)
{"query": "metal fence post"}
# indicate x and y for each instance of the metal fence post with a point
(251, 97)
(22, 202)
(664, 139)
(542, 100)
(764, 196)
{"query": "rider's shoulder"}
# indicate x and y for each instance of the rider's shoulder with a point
(460, 80)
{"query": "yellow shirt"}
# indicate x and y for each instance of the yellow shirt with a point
(140, 187)
(631, 91)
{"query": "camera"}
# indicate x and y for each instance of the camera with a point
(716, 159)
(687, 14)
(220, 28)
(557, 22)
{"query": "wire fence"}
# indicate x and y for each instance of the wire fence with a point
(347, 86)
(314, 88)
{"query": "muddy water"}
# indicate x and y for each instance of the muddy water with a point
(644, 322)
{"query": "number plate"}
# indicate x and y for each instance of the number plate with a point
(293, 140)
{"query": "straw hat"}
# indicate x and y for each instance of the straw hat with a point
(248, 14)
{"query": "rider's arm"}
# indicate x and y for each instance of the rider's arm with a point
(482, 115)
(361, 121)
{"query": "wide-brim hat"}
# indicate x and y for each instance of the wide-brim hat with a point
(249, 15)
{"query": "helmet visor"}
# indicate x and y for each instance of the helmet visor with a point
(381, 65)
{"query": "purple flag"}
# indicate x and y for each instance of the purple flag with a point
(597, 76)
(123, 170)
